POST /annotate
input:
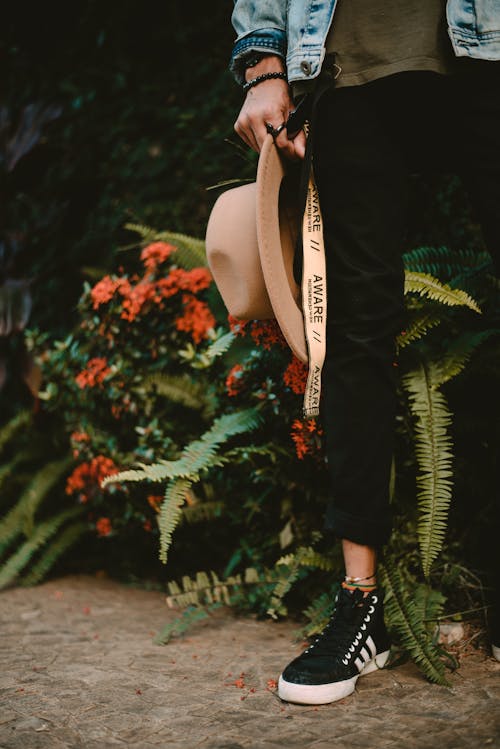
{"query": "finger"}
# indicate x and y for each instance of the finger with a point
(246, 134)
(260, 134)
(286, 146)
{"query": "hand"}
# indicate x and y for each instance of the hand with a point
(269, 101)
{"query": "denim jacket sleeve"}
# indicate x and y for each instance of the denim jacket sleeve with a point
(260, 26)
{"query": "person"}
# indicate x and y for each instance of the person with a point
(415, 85)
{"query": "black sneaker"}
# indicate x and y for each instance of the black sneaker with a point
(353, 643)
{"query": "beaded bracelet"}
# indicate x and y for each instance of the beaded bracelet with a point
(264, 77)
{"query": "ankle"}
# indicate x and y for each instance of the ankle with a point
(365, 589)
(365, 584)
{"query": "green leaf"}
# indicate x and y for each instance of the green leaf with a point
(179, 389)
(190, 252)
(427, 286)
(404, 617)
(171, 513)
(434, 453)
(198, 456)
(18, 422)
(20, 519)
(458, 355)
(220, 346)
(41, 534)
(56, 549)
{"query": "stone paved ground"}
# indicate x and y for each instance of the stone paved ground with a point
(79, 669)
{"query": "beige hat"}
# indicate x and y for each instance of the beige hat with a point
(251, 238)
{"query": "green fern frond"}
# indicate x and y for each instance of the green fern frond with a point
(289, 574)
(402, 615)
(434, 453)
(9, 468)
(220, 346)
(20, 518)
(197, 456)
(427, 286)
(171, 513)
(417, 329)
(147, 233)
(182, 623)
(306, 556)
(318, 613)
(288, 568)
(10, 527)
(42, 482)
(429, 604)
(14, 565)
(272, 452)
(208, 589)
(56, 549)
(190, 251)
(18, 422)
(458, 355)
(229, 425)
(179, 389)
(444, 262)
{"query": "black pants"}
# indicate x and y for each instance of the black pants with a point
(368, 141)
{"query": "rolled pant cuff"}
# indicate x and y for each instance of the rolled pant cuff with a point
(359, 530)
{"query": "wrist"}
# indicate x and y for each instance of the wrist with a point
(267, 64)
(262, 78)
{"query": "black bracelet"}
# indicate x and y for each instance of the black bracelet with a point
(264, 77)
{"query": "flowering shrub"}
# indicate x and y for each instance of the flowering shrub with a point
(132, 326)
(135, 383)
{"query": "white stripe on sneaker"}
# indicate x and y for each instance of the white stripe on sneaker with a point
(371, 645)
(365, 655)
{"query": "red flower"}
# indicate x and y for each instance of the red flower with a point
(103, 527)
(237, 326)
(86, 478)
(178, 279)
(135, 299)
(234, 380)
(267, 333)
(155, 254)
(154, 501)
(95, 373)
(197, 318)
(295, 376)
(80, 437)
(104, 290)
(304, 434)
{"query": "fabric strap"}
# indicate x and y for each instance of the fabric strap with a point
(312, 257)
(314, 296)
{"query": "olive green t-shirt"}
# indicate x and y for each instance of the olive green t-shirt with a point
(375, 38)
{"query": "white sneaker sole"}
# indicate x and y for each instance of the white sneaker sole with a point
(496, 652)
(321, 694)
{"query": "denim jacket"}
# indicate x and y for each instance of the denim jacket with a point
(297, 29)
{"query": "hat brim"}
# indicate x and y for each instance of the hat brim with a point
(276, 248)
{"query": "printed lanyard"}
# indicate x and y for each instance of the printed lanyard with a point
(313, 296)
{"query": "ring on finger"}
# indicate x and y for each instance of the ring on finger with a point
(275, 131)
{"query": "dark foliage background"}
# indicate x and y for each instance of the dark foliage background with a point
(145, 107)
